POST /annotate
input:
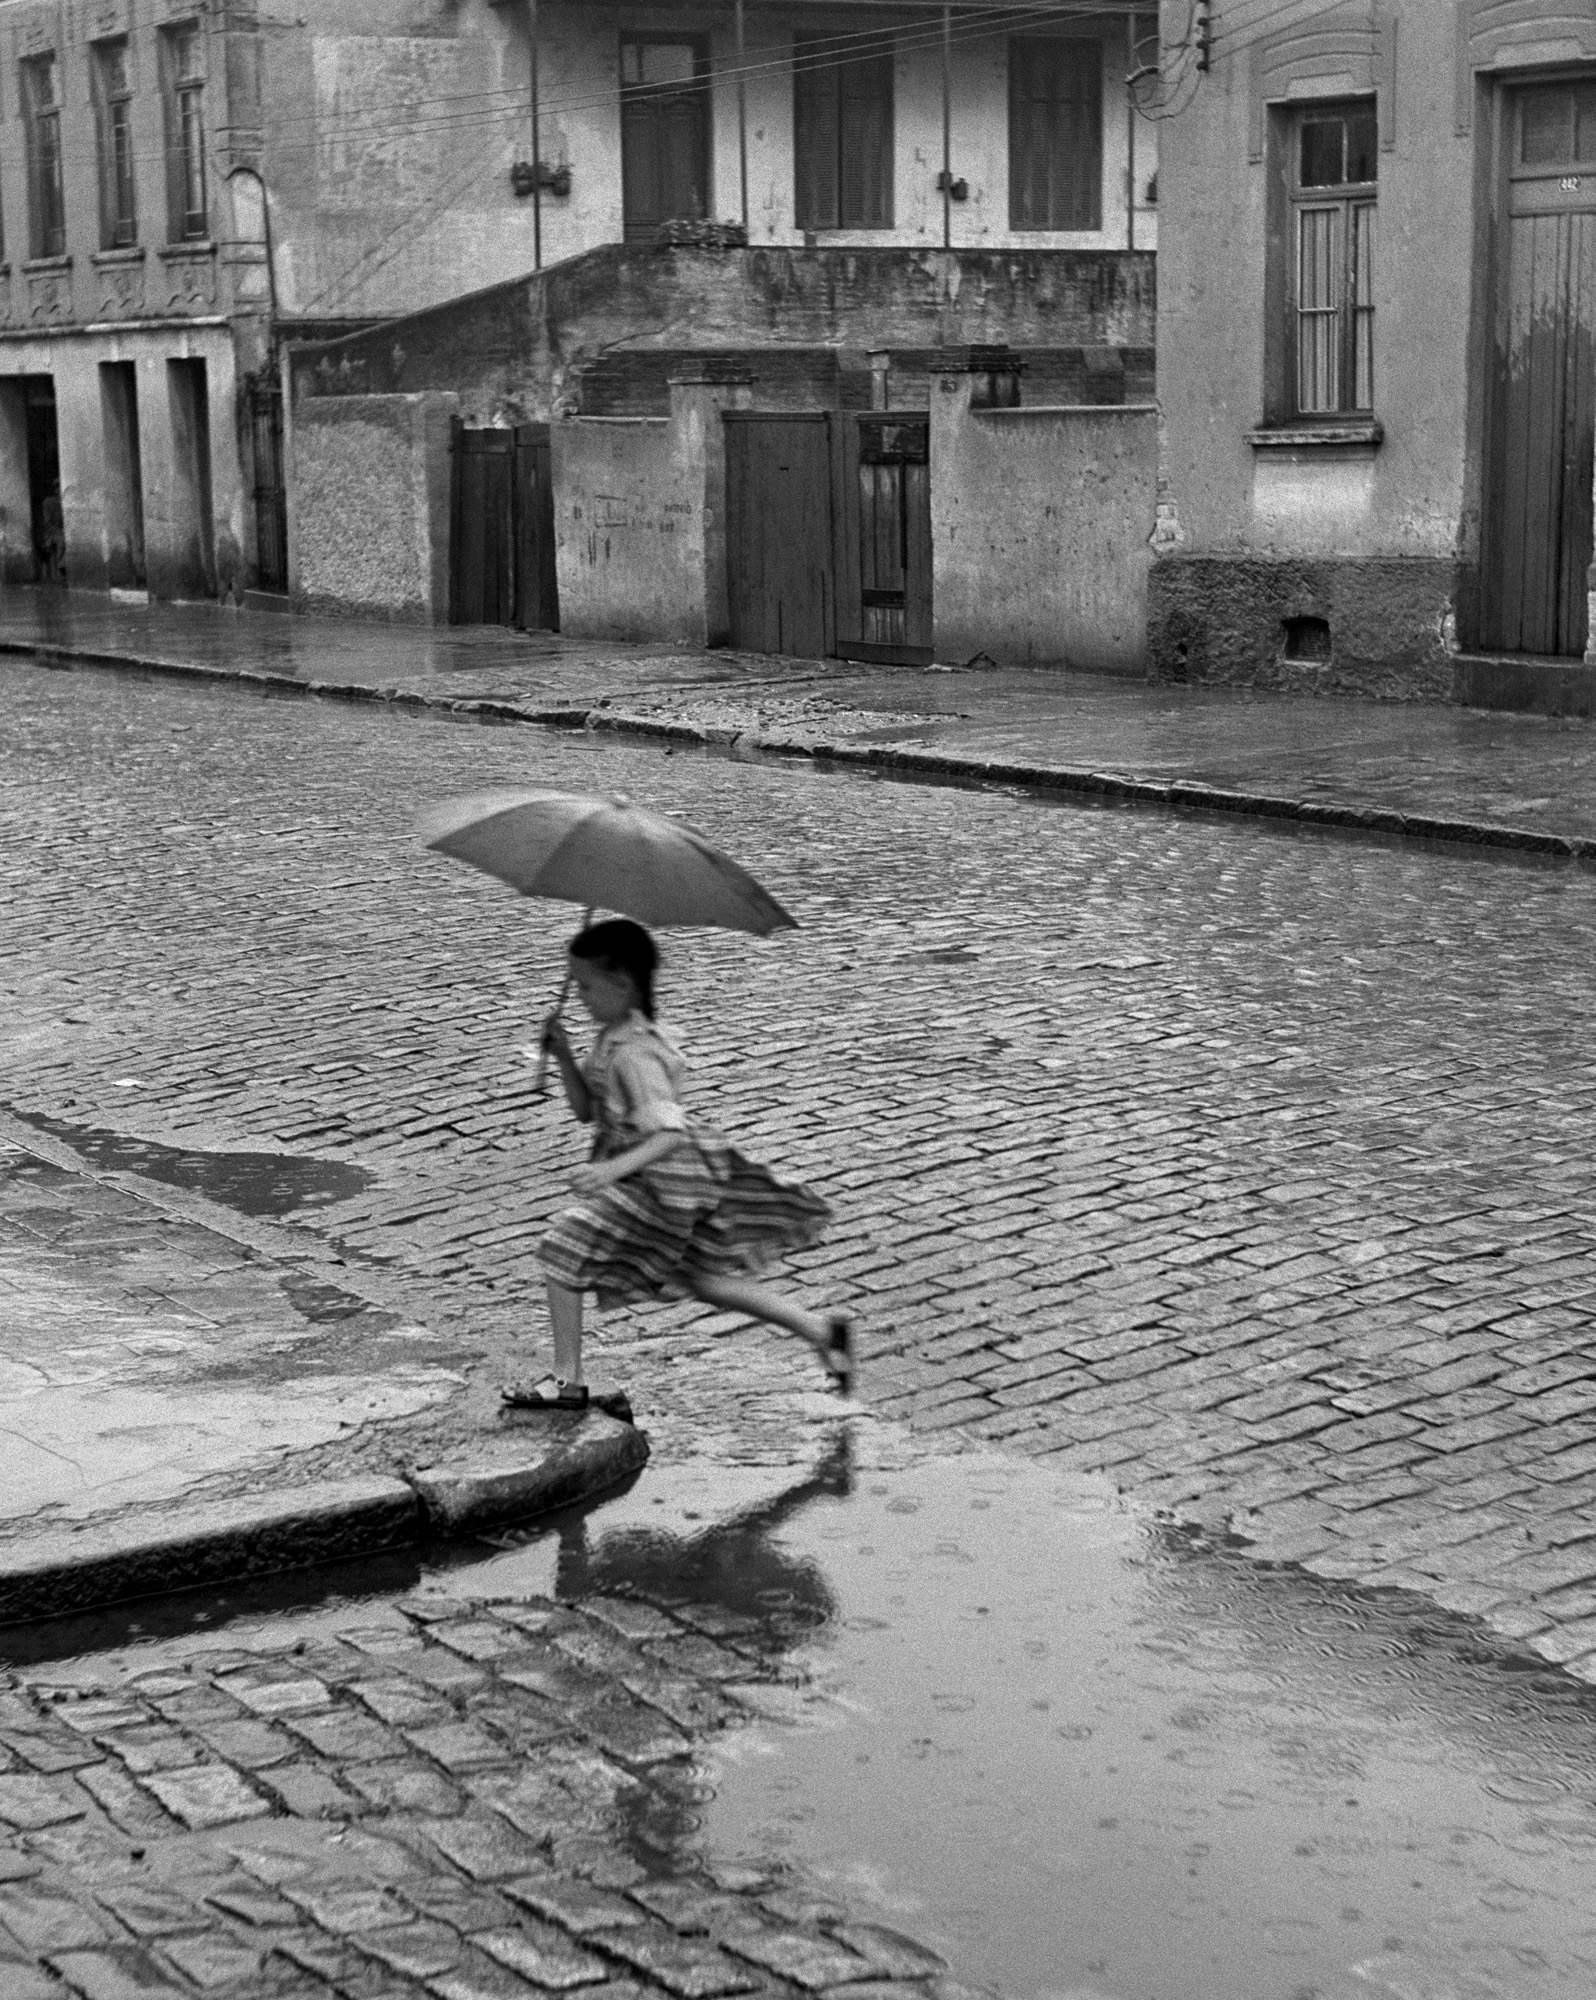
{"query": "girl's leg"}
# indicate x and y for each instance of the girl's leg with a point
(565, 1319)
(764, 1302)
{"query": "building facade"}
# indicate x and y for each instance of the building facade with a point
(1377, 349)
(188, 188)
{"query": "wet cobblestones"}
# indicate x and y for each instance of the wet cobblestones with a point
(467, 1802)
(1253, 1167)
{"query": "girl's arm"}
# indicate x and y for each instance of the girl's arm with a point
(577, 1094)
(605, 1173)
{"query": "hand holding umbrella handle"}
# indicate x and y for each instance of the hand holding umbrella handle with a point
(540, 1082)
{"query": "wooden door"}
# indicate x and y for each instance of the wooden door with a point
(1538, 513)
(664, 133)
(482, 534)
(501, 541)
(884, 478)
(537, 599)
(779, 557)
(271, 488)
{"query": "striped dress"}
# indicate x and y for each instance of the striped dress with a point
(703, 1211)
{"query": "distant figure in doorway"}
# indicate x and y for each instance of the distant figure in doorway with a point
(51, 551)
(665, 1208)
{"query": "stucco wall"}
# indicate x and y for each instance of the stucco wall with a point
(81, 429)
(628, 529)
(1039, 527)
(369, 524)
(1408, 497)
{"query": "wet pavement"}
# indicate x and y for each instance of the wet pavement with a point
(1446, 763)
(805, 1726)
(1247, 1165)
(148, 1357)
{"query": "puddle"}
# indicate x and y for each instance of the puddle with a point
(263, 1184)
(1081, 1759)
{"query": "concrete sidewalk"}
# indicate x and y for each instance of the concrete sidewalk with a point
(1445, 773)
(185, 1399)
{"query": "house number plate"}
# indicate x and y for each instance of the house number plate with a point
(1569, 184)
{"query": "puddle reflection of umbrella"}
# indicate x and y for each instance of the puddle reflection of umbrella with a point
(604, 853)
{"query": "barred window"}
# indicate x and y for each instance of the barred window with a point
(1333, 174)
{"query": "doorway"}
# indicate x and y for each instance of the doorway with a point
(44, 481)
(271, 487)
(124, 477)
(193, 525)
(884, 604)
(1538, 513)
(501, 539)
(664, 133)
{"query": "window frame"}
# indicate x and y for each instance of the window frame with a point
(1354, 205)
(183, 106)
(819, 156)
(41, 122)
(113, 120)
(1091, 205)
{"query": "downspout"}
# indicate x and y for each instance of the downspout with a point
(1130, 132)
(537, 147)
(742, 115)
(947, 128)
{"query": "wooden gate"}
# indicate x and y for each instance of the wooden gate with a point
(501, 539)
(1538, 514)
(779, 555)
(884, 552)
(828, 524)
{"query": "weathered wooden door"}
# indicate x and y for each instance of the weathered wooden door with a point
(271, 489)
(501, 546)
(537, 601)
(664, 133)
(779, 550)
(1538, 514)
(884, 581)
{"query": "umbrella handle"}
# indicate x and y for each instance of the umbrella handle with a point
(540, 1082)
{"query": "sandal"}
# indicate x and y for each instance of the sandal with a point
(550, 1394)
(839, 1354)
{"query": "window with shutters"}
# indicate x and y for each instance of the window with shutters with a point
(41, 115)
(1333, 154)
(842, 134)
(1055, 133)
(183, 91)
(113, 118)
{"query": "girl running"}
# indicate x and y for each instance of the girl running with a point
(665, 1209)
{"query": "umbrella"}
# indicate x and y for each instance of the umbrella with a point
(604, 853)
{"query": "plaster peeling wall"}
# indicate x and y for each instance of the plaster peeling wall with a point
(1039, 527)
(371, 506)
(629, 529)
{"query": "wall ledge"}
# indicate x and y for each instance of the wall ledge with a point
(1319, 440)
(1063, 410)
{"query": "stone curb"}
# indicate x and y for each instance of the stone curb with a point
(228, 1541)
(1059, 778)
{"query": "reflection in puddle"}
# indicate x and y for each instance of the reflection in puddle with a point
(1076, 1758)
(269, 1184)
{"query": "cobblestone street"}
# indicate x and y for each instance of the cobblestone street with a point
(1247, 1164)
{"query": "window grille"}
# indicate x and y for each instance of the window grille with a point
(1333, 174)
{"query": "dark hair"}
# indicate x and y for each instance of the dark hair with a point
(619, 945)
